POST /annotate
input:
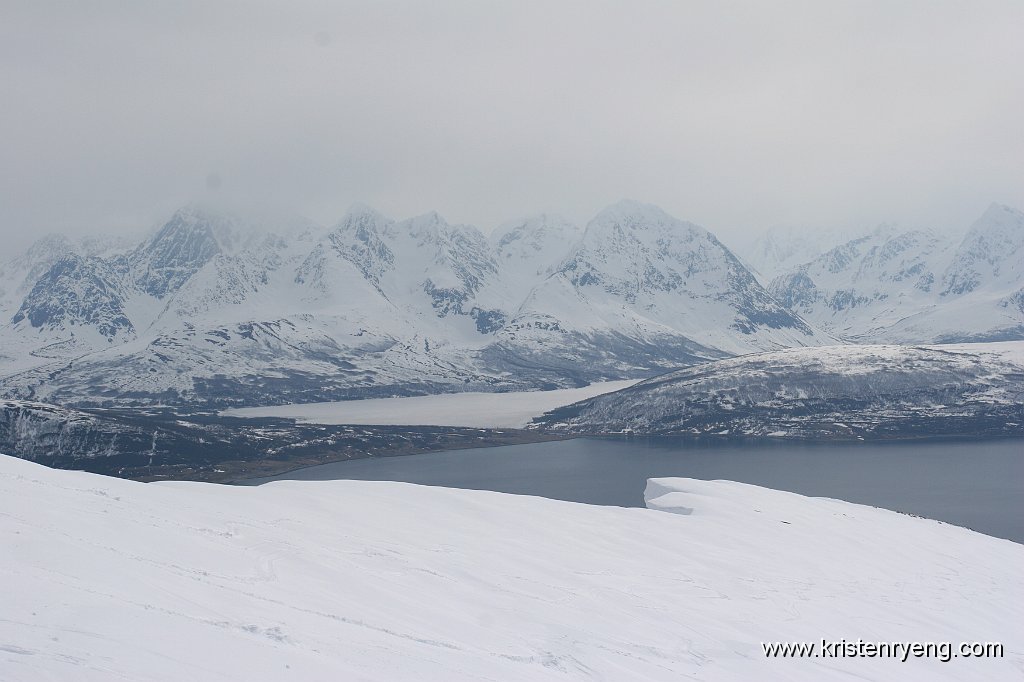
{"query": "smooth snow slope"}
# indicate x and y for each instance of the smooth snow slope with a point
(107, 579)
(512, 410)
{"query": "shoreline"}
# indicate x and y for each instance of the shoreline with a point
(518, 437)
(242, 472)
(523, 438)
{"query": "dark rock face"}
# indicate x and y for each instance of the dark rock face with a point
(464, 254)
(361, 240)
(36, 430)
(488, 321)
(77, 291)
(179, 250)
(445, 300)
(794, 290)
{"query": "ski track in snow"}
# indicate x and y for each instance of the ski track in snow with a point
(110, 579)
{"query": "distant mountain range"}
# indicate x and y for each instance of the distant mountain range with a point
(214, 309)
(915, 286)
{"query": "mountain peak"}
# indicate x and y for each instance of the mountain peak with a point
(175, 253)
(631, 209)
(430, 224)
(362, 212)
(363, 222)
(40, 255)
(997, 219)
(995, 209)
(887, 230)
(77, 292)
(534, 230)
(47, 243)
(238, 228)
(990, 252)
(200, 215)
(630, 221)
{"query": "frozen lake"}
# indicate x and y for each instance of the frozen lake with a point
(512, 410)
(977, 484)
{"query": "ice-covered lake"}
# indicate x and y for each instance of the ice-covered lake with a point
(977, 484)
(512, 410)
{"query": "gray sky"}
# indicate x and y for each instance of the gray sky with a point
(736, 115)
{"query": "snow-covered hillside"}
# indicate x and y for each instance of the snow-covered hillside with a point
(219, 310)
(827, 392)
(916, 286)
(110, 579)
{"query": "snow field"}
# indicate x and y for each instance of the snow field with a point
(350, 580)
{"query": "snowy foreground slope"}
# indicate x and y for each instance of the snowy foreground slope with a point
(345, 580)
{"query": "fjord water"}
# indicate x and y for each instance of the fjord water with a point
(977, 484)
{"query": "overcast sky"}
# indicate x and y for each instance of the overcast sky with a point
(735, 115)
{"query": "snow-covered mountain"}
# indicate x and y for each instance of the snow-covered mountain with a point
(160, 266)
(20, 274)
(426, 267)
(216, 308)
(862, 288)
(77, 293)
(367, 580)
(847, 392)
(990, 256)
(529, 250)
(643, 287)
(916, 286)
(781, 248)
(225, 310)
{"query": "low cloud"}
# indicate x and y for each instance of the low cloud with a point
(734, 115)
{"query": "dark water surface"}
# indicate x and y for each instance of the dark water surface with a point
(977, 484)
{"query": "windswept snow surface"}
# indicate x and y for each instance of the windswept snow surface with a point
(473, 410)
(351, 580)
